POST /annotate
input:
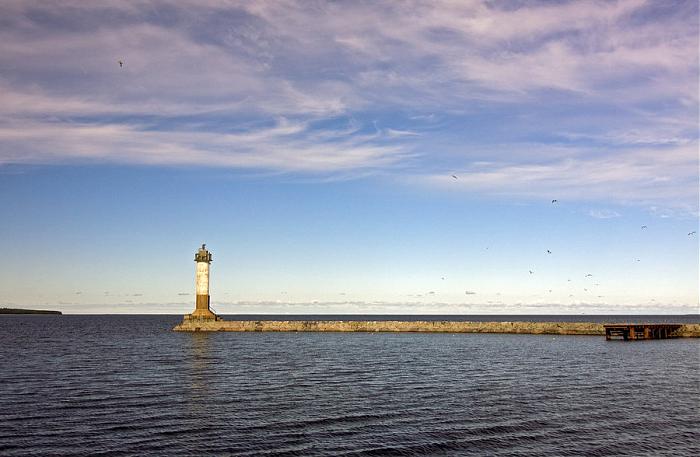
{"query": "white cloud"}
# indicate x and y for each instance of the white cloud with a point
(264, 84)
(603, 213)
(285, 146)
(631, 175)
(394, 133)
(441, 308)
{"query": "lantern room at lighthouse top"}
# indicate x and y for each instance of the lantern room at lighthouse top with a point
(203, 255)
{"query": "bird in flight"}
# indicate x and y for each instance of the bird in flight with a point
(588, 275)
(692, 233)
(121, 64)
(555, 201)
(643, 227)
(454, 176)
(548, 251)
(530, 271)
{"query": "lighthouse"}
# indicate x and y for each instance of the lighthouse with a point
(203, 260)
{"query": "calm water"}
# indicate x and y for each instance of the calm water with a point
(127, 385)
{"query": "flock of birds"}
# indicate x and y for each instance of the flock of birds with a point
(531, 272)
(549, 252)
(588, 275)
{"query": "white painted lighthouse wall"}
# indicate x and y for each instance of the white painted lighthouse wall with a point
(202, 278)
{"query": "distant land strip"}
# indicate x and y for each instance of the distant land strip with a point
(27, 311)
(535, 328)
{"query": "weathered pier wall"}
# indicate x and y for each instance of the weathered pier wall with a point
(553, 328)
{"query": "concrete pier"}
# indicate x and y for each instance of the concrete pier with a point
(552, 328)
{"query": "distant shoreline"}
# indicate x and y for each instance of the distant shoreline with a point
(27, 311)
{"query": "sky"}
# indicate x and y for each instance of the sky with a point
(437, 157)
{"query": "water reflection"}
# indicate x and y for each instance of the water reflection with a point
(199, 365)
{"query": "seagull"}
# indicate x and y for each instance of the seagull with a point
(555, 201)
(548, 251)
(588, 275)
(638, 260)
(454, 176)
(643, 227)
(121, 64)
(692, 233)
(530, 271)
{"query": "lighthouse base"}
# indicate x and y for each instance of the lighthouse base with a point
(202, 310)
(202, 315)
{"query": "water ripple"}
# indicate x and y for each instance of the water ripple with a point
(127, 385)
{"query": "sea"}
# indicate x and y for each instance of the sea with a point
(126, 385)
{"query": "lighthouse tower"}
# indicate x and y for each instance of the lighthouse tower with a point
(203, 259)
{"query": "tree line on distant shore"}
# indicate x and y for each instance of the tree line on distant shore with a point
(26, 311)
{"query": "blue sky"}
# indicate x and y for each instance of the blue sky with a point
(364, 157)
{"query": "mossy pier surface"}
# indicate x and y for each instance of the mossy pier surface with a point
(552, 328)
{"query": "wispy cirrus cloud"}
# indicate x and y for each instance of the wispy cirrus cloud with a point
(603, 213)
(287, 147)
(637, 174)
(253, 85)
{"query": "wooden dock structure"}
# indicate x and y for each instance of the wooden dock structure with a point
(628, 332)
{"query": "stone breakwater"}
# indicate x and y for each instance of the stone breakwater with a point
(551, 328)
